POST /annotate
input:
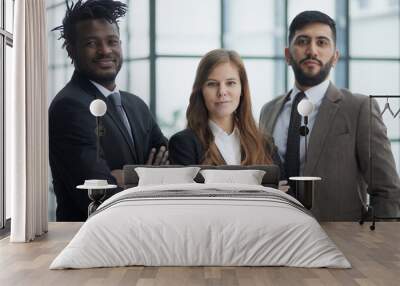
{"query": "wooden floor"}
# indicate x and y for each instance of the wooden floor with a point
(374, 255)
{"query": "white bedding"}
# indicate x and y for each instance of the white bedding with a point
(206, 230)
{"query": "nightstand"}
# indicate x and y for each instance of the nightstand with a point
(96, 191)
(305, 187)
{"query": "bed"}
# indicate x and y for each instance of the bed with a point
(201, 224)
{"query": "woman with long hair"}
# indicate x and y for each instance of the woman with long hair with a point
(220, 125)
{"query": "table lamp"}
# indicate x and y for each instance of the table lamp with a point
(305, 107)
(98, 108)
(97, 188)
(306, 196)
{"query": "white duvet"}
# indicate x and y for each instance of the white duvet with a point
(187, 230)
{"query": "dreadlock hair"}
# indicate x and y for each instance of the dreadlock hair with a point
(255, 147)
(91, 9)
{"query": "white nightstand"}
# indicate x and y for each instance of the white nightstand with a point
(96, 191)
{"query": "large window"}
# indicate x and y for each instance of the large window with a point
(163, 41)
(374, 57)
(6, 43)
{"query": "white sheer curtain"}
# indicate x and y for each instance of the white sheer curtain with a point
(26, 123)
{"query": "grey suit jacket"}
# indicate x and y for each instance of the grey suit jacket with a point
(338, 152)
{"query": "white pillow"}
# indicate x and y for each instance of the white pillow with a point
(164, 176)
(248, 177)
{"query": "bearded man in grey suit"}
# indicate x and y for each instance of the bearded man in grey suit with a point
(338, 148)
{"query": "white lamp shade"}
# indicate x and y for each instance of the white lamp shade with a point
(98, 107)
(305, 107)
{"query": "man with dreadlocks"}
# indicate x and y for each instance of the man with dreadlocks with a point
(131, 135)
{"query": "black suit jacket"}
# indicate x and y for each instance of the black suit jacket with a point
(72, 141)
(185, 148)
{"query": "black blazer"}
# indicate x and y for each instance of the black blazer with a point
(72, 142)
(185, 149)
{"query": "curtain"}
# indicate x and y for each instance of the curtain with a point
(26, 123)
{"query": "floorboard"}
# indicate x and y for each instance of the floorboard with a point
(374, 255)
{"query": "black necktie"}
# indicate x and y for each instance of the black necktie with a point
(292, 156)
(116, 99)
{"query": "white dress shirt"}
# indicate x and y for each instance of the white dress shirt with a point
(104, 90)
(227, 144)
(315, 94)
(107, 93)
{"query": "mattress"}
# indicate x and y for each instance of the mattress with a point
(201, 225)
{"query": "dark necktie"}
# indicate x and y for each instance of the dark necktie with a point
(292, 156)
(116, 99)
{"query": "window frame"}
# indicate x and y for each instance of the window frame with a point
(6, 39)
(342, 71)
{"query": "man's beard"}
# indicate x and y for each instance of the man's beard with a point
(306, 80)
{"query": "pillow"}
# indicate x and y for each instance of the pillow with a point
(164, 176)
(270, 179)
(248, 177)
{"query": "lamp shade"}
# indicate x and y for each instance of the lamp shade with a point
(305, 107)
(98, 107)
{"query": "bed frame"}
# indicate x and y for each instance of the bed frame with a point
(270, 179)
